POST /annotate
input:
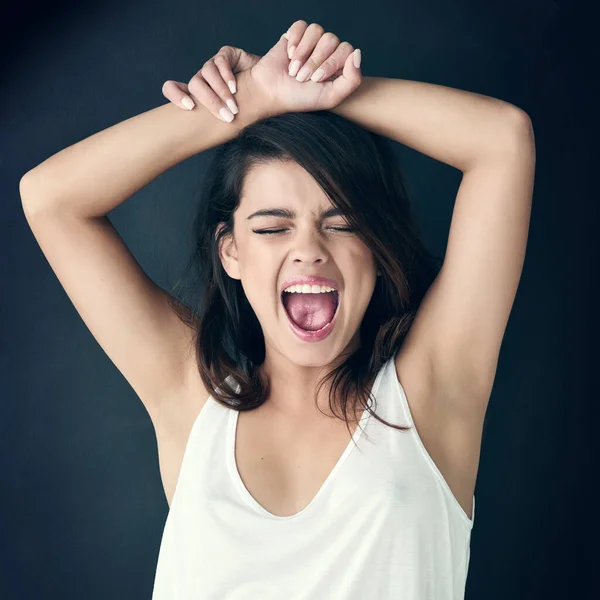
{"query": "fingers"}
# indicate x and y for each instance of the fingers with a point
(312, 34)
(326, 49)
(322, 69)
(226, 58)
(350, 79)
(201, 85)
(208, 86)
(214, 85)
(178, 93)
(214, 73)
(317, 54)
(295, 33)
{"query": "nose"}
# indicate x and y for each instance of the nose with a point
(308, 248)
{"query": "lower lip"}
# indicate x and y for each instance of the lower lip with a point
(313, 336)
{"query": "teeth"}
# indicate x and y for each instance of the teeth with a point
(309, 289)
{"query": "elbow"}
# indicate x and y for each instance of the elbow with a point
(520, 124)
(32, 196)
(515, 138)
(25, 190)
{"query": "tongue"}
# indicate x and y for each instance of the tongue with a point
(310, 311)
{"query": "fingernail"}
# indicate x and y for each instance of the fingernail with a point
(357, 57)
(188, 103)
(294, 68)
(233, 106)
(291, 52)
(303, 75)
(317, 75)
(231, 85)
(226, 115)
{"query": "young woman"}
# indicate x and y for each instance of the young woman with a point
(319, 403)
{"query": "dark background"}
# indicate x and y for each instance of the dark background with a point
(82, 508)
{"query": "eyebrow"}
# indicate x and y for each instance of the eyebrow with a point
(290, 214)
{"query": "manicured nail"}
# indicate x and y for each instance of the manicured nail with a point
(231, 85)
(188, 103)
(291, 52)
(294, 68)
(317, 75)
(226, 115)
(233, 106)
(303, 75)
(357, 57)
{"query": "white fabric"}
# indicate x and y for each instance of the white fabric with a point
(383, 526)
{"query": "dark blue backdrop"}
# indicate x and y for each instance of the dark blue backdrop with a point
(82, 508)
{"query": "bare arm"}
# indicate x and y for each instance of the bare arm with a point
(97, 174)
(65, 200)
(454, 126)
(462, 319)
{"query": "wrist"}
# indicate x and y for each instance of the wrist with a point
(257, 103)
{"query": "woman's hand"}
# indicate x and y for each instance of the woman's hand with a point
(208, 87)
(331, 74)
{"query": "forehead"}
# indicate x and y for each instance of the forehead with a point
(281, 184)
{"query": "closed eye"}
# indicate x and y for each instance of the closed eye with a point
(268, 231)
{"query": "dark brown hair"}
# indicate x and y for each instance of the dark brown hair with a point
(359, 172)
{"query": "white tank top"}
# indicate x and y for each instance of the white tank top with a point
(384, 525)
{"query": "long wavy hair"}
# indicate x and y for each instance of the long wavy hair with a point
(359, 173)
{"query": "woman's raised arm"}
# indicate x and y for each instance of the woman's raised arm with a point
(66, 199)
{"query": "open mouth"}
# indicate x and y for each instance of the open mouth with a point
(311, 315)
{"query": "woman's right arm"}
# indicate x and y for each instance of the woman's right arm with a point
(66, 199)
(95, 175)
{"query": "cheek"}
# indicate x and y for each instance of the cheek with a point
(259, 281)
(360, 279)
(257, 266)
(362, 297)
(259, 303)
(359, 263)
(358, 251)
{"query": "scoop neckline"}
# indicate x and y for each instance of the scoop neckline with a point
(249, 498)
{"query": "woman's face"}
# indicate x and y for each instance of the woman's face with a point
(306, 242)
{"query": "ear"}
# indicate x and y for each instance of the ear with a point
(228, 253)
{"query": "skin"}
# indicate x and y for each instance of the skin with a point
(307, 246)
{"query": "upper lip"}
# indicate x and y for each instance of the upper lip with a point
(310, 280)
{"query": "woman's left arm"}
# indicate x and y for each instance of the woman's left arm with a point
(456, 127)
(461, 321)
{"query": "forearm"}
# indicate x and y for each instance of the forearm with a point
(95, 175)
(453, 126)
